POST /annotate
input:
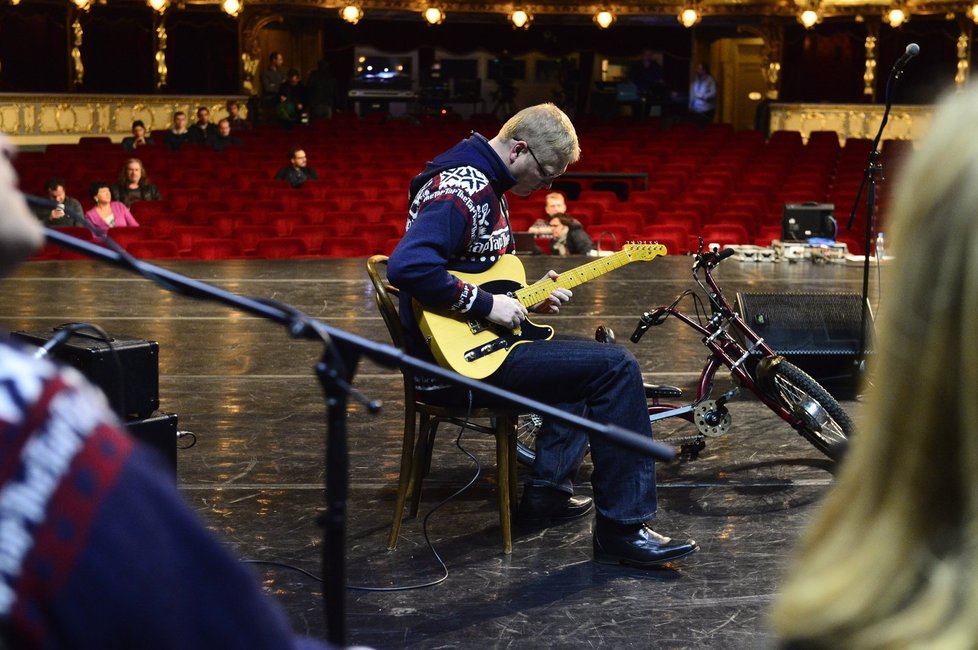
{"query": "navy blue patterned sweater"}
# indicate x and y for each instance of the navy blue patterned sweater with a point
(458, 220)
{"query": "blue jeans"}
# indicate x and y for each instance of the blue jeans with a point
(602, 383)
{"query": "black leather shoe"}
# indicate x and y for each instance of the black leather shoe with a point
(638, 546)
(544, 506)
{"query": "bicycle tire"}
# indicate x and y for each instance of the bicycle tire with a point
(824, 423)
(526, 434)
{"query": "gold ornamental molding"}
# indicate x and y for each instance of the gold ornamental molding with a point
(40, 119)
(851, 120)
(856, 9)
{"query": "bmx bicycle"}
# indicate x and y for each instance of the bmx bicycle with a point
(787, 390)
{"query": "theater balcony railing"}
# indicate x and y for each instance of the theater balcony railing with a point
(39, 119)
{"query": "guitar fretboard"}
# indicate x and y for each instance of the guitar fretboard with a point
(534, 293)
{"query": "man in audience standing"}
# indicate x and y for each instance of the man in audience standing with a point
(703, 96)
(272, 79)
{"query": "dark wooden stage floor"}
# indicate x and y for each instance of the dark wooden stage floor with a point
(249, 394)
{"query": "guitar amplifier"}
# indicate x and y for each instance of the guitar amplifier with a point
(129, 377)
(158, 432)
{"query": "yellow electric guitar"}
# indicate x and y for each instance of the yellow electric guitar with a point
(475, 347)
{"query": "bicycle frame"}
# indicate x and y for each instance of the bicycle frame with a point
(724, 349)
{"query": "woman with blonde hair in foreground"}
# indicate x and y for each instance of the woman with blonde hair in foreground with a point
(891, 558)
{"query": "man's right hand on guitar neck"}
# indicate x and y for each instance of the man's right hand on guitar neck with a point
(507, 311)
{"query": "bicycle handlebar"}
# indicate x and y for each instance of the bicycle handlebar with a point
(707, 260)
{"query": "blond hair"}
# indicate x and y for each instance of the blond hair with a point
(549, 132)
(891, 558)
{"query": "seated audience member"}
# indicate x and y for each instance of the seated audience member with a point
(178, 136)
(293, 107)
(297, 171)
(889, 559)
(108, 213)
(107, 553)
(224, 139)
(237, 122)
(555, 204)
(64, 214)
(203, 131)
(138, 138)
(569, 237)
(134, 184)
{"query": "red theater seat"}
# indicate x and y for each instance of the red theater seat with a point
(280, 248)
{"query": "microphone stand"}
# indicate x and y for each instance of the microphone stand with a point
(872, 176)
(335, 372)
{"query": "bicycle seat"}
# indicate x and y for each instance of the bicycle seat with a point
(662, 391)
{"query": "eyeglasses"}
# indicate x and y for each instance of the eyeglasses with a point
(544, 176)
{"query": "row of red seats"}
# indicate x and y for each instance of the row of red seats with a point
(258, 242)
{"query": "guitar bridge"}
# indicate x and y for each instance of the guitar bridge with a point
(476, 325)
(485, 350)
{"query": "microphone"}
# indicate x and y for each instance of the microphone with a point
(912, 50)
(644, 323)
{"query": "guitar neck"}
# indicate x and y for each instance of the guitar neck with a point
(537, 292)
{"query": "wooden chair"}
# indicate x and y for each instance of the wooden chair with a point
(421, 421)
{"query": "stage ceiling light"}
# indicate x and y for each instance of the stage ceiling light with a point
(351, 13)
(521, 19)
(434, 16)
(604, 19)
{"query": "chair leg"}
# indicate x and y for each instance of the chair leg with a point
(422, 461)
(404, 480)
(505, 462)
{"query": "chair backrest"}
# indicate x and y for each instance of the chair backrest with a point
(386, 294)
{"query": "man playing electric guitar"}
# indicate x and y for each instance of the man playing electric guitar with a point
(458, 222)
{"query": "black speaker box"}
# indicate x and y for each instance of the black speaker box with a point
(158, 431)
(818, 332)
(132, 386)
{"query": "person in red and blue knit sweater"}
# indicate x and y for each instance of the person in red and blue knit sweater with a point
(458, 221)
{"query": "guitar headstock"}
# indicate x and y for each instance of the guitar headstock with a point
(643, 251)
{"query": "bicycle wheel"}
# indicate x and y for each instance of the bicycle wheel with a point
(526, 436)
(824, 422)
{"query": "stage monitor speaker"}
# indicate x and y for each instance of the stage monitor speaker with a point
(818, 332)
(132, 385)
